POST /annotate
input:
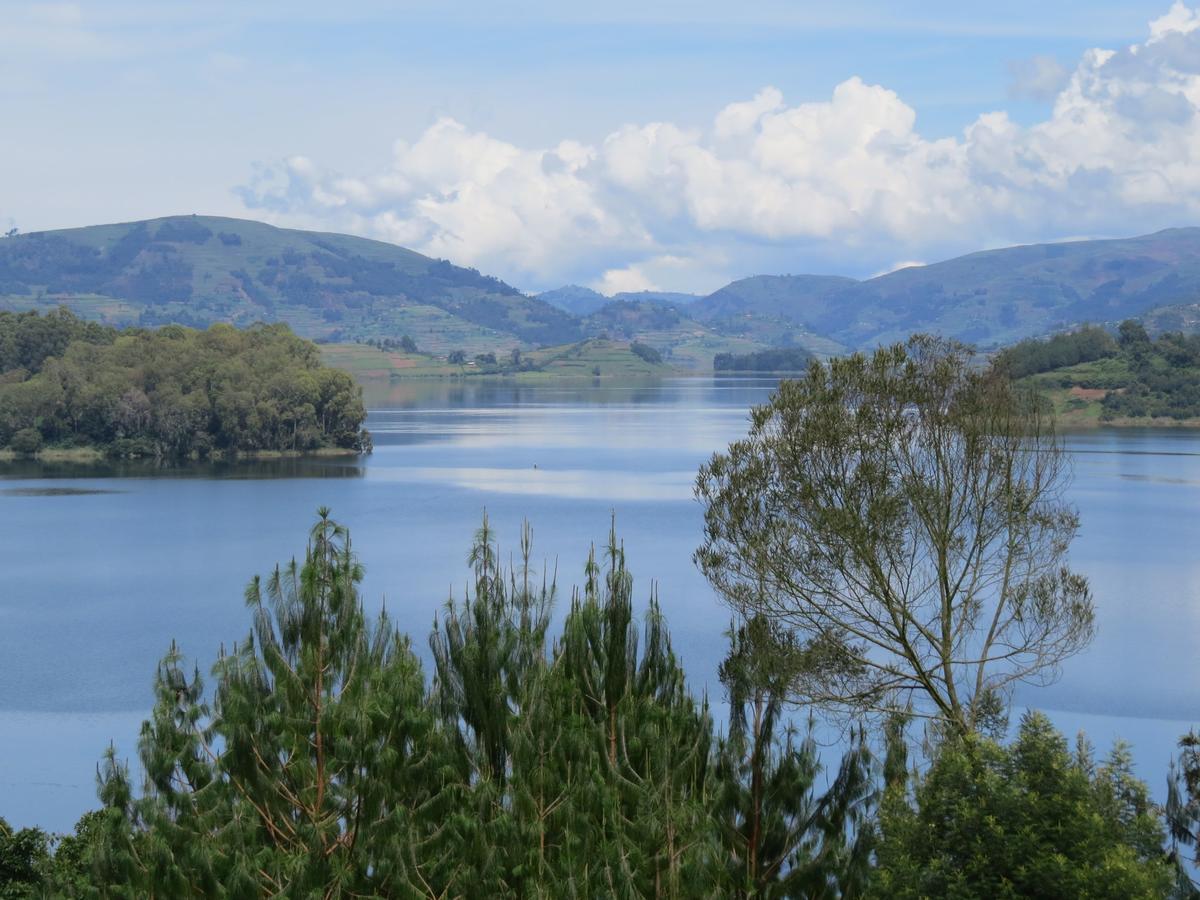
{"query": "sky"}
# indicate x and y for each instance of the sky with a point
(624, 145)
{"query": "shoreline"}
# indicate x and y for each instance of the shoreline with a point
(94, 455)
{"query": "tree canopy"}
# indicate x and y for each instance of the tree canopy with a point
(323, 763)
(901, 513)
(1030, 819)
(171, 392)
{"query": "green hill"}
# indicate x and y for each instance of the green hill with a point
(573, 299)
(990, 298)
(1093, 378)
(196, 270)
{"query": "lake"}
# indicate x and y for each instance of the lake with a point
(103, 566)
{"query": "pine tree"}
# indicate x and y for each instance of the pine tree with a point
(783, 839)
(313, 771)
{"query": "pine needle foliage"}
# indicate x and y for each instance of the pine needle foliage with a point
(323, 764)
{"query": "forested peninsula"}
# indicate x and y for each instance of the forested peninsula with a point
(171, 393)
(1094, 378)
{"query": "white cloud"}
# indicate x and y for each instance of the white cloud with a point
(896, 267)
(816, 184)
(1038, 77)
(631, 278)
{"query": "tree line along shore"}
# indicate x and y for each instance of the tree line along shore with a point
(76, 389)
(890, 540)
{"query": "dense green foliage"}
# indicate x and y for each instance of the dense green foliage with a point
(784, 359)
(197, 270)
(646, 352)
(1165, 376)
(1027, 820)
(324, 764)
(27, 340)
(1032, 356)
(1142, 377)
(169, 393)
(901, 514)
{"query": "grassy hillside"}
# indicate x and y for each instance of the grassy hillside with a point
(989, 298)
(196, 270)
(583, 359)
(998, 296)
(581, 301)
(1133, 380)
(200, 269)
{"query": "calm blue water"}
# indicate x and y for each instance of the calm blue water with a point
(101, 568)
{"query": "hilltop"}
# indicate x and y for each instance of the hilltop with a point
(990, 298)
(196, 270)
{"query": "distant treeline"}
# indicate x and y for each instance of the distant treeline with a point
(1144, 377)
(174, 392)
(1031, 356)
(783, 359)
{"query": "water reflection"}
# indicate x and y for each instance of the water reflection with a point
(251, 469)
(107, 568)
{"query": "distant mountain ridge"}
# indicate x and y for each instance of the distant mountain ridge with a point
(200, 269)
(995, 297)
(582, 301)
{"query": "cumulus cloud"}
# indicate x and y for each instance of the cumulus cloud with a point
(847, 182)
(1038, 78)
(630, 278)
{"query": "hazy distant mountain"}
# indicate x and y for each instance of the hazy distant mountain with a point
(576, 300)
(201, 269)
(998, 296)
(581, 301)
(662, 298)
(989, 298)
(771, 296)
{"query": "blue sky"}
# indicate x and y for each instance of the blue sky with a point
(550, 142)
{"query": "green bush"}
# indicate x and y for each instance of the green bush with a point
(27, 441)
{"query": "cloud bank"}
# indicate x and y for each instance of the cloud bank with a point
(844, 184)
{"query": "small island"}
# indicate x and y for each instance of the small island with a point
(72, 389)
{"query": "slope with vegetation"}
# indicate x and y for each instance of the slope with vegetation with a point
(997, 296)
(591, 358)
(196, 270)
(170, 393)
(1092, 377)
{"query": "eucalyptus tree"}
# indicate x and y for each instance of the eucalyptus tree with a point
(902, 513)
